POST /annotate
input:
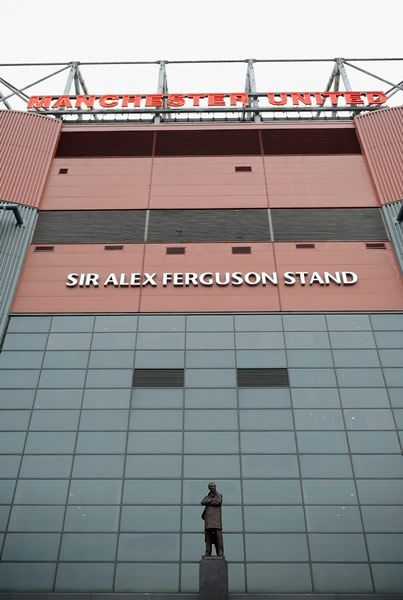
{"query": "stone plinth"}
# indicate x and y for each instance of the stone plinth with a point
(213, 578)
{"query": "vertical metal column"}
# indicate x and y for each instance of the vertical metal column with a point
(250, 88)
(162, 89)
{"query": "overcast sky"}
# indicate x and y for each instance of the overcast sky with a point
(130, 30)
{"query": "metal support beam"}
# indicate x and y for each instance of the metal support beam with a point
(16, 91)
(162, 88)
(70, 78)
(5, 102)
(35, 82)
(395, 85)
(250, 88)
(344, 76)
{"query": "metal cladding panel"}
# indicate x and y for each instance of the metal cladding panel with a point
(395, 229)
(28, 145)
(380, 136)
(14, 241)
(328, 224)
(90, 226)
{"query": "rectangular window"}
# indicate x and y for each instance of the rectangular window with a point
(262, 378)
(158, 378)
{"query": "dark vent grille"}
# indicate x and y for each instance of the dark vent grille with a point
(262, 378)
(243, 169)
(302, 246)
(241, 250)
(110, 248)
(63, 171)
(158, 378)
(176, 250)
(44, 249)
(375, 246)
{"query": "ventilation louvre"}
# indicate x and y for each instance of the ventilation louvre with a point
(243, 169)
(176, 250)
(241, 250)
(111, 248)
(304, 246)
(44, 249)
(63, 171)
(262, 378)
(158, 378)
(375, 246)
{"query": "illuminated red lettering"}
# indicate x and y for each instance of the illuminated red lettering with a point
(135, 100)
(305, 98)
(234, 98)
(196, 98)
(376, 97)
(353, 98)
(333, 96)
(318, 97)
(109, 101)
(272, 98)
(176, 100)
(88, 102)
(216, 99)
(37, 102)
(62, 102)
(154, 99)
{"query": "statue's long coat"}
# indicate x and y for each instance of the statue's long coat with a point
(212, 513)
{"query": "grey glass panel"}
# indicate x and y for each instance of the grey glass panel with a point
(162, 323)
(152, 492)
(86, 465)
(333, 518)
(211, 466)
(211, 398)
(16, 399)
(276, 546)
(304, 323)
(233, 546)
(328, 491)
(306, 339)
(59, 398)
(337, 547)
(386, 491)
(315, 398)
(264, 398)
(116, 323)
(14, 419)
(396, 396)
(51, 420)
(209, 341)
(356, 358)
(312, 377)
(325, 466)
(104, 419)
(20, 360)
(356, 377)
(309, 358)
(88, 546)
(194, 490)
(210, 358)
(160, 442)
(4, 510)
(271, 492)
(258, 323)
(41, 491)
(62, 378)
(371, 442)
(88, 577)
(259, 340)
(69, 341)
(73, 323)
(160, 341)
(265, 419)
(140, 577)
(399, 418)
(113, 341)
(9, 465)
(378, 466)
(348, 322)
(60, 442)
(108, 398)
(388, 339)
(393, 377)
(36, 518)
(208, 420)
(352, 339)
(95, 491)
(191, 517)
(236, 577)
(109, 378)
(318, 442)
(318, 419)
(388, 578)
(272, 442)
(148, 546)
(286, 578)
(364, 398)
(16, 377)
(383, 518)
(11, 442)
(389, 321)
(101, 443)
(274, 518)
(391, 358)
(6, 490)
(31, 546)
(32, 324)
(200, 442)
(157, 398)
(153, 466)
(25, 341)
(164, 359)
(46, 466)
(156, 419)
(27, 577)
(111, 359)
(261, 358)
(77, 359)
(341, 578)
(150, 518)
(369, 419)
(210, 378)
(92, 518)
(209, 323)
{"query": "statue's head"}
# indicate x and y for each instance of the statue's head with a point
(212, 486)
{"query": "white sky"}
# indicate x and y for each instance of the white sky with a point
(124, 30)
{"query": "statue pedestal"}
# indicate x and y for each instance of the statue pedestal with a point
(213, 578)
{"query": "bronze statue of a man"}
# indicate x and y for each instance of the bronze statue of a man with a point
(212, 520)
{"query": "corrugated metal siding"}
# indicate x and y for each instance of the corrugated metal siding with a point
(395, 229)
(380, 136)
(14, 241)
(28, 145)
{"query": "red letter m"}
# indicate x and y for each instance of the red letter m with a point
(36, 102)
